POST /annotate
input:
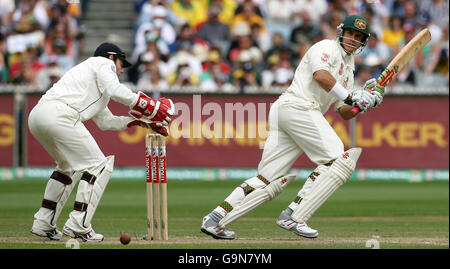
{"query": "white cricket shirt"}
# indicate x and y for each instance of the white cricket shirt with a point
(324, 55)
(88, 87)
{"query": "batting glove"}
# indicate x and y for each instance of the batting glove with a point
(363, 99)
(369, 84)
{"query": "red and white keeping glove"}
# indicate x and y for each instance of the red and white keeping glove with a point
(156, 127)
(149, 110)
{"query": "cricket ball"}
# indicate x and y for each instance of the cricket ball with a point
(125, 239)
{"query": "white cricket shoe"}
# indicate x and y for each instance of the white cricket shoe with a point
(52, 234)
(299, 228)
(90, 236)
(212, 228)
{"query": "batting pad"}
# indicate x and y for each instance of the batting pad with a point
(256, 198)
(326, 184)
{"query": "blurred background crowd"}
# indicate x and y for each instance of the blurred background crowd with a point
(219, 45)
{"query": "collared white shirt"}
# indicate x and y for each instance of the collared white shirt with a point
(325, 55)
(88, 87)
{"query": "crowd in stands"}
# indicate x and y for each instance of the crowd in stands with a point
(225, 44)
(218, 44)
(39, 40)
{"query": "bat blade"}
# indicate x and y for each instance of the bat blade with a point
(402, 58)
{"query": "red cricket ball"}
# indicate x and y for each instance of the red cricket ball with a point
(125, 239)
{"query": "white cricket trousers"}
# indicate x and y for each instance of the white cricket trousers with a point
(57, 128)
(297, 127)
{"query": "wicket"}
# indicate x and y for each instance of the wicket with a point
(155, 162)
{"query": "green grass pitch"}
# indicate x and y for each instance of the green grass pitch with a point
(380, 214)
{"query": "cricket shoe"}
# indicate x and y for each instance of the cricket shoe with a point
(90, 236)
(299, 228)
(210, 227)
(52, 234)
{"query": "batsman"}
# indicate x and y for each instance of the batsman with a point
(83, 93)
(297, 125)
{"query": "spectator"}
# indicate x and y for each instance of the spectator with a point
(184, 74)
(151, 78)
(59, 52)
(248, 16)
(215, 75)
(408, 74)
(4, 70)
(186, 39)
(280, 10)
(261, 38)
(268, 74)
(393, 34)
(376, 48)
(279, 46)
(146, 13)
(227, 9)
(440, 55)
(192, 12)
(411, 14)
(214, 57)
(370, 68)
(243, 41)
(24, 20)
(23, 73)
(437, 10)
(283, 77)
(159, 27)
(29, 62)
(7, 8)
(315, 8)
(61, 32)
(49, 75)
(246, 74)
(215, 32)
(331, 22)
(259, 10)
(303, 34)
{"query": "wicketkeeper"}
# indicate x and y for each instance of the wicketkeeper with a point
(296, 126)
(83, 93)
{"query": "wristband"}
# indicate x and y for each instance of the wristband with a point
(338, 91)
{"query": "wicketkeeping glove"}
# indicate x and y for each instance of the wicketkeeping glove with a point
(149, 110)
(156, 127)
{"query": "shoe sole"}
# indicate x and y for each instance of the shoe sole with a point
(215, 236)
(300, 234)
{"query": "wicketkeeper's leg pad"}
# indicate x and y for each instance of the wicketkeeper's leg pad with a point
(90, 191)
(57, 191)
(326, 184)
(256, 198)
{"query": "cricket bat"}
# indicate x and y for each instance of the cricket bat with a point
(402, 58)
